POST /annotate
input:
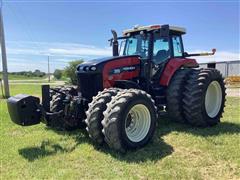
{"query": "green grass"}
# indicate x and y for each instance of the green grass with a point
(20, 77)
(33, 89)
(176, 152)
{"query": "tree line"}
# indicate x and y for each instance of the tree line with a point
(68, 72)
(36, 73)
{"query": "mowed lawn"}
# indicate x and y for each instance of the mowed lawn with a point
(177, 151)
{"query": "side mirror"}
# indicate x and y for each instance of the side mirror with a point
(110, 42)
(213, 51)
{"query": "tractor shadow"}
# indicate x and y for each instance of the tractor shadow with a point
(46, 148)
(157, 149)
(49, 148)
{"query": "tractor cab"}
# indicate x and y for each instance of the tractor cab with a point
(154, 44)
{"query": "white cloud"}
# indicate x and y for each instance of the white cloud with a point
(26, 55)
(55, 49)
(80, 51)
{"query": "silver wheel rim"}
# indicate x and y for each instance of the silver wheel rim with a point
(137, 123)
(213, 99)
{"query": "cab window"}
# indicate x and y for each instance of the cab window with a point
(131, 48)
(137, 45)
(177, 46)
(160, 50)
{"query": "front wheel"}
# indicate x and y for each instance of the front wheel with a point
(95, 114)
(129, 120)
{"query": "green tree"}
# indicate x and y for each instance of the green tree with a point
(57, 74)
(70, 70)
(36, 73)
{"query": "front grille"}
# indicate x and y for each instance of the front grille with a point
(89, 84)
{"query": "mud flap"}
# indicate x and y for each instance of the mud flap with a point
(24, 109)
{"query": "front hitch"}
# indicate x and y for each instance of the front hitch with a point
(24, 109)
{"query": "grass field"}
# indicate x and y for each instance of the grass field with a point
(176, 152)
(20, 77)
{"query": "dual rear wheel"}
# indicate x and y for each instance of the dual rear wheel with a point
(196, 97)
(127, 121)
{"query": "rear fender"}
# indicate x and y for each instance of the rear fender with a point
(173, 65)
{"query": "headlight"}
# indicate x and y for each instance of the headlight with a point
(93, 68)
(86, 68)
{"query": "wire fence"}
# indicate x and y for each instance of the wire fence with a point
(227, 68)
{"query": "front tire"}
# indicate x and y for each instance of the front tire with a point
(95, 114)
(129, 120)
(204, 97)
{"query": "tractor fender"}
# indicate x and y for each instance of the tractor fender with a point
(173, 65)
(126, 84)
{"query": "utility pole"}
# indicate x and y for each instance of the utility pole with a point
(4, 56)
(48, 70)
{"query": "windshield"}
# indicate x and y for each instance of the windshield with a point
(136, 45)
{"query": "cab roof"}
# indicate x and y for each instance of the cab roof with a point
(180, 30)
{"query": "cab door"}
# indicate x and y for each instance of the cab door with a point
(177, 46)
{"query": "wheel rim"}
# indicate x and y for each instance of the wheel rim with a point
(137, 123)
(213, 99)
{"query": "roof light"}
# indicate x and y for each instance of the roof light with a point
(136, 26)
(155, 27)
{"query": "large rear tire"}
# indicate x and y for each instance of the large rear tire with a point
(204, 97)
(129, 120)
(95, 114)
(175, 95)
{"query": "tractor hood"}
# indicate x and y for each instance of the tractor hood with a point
(97, 65)
(95, 75)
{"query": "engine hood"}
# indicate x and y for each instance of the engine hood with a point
(96, 65)
(105, 72)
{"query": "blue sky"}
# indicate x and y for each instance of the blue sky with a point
(68, 30)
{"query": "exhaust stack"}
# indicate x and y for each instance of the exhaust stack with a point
(114, 43)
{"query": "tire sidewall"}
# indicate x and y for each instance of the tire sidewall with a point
(210, 120)
(126, 142)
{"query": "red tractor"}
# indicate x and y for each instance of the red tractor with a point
(118, 98)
